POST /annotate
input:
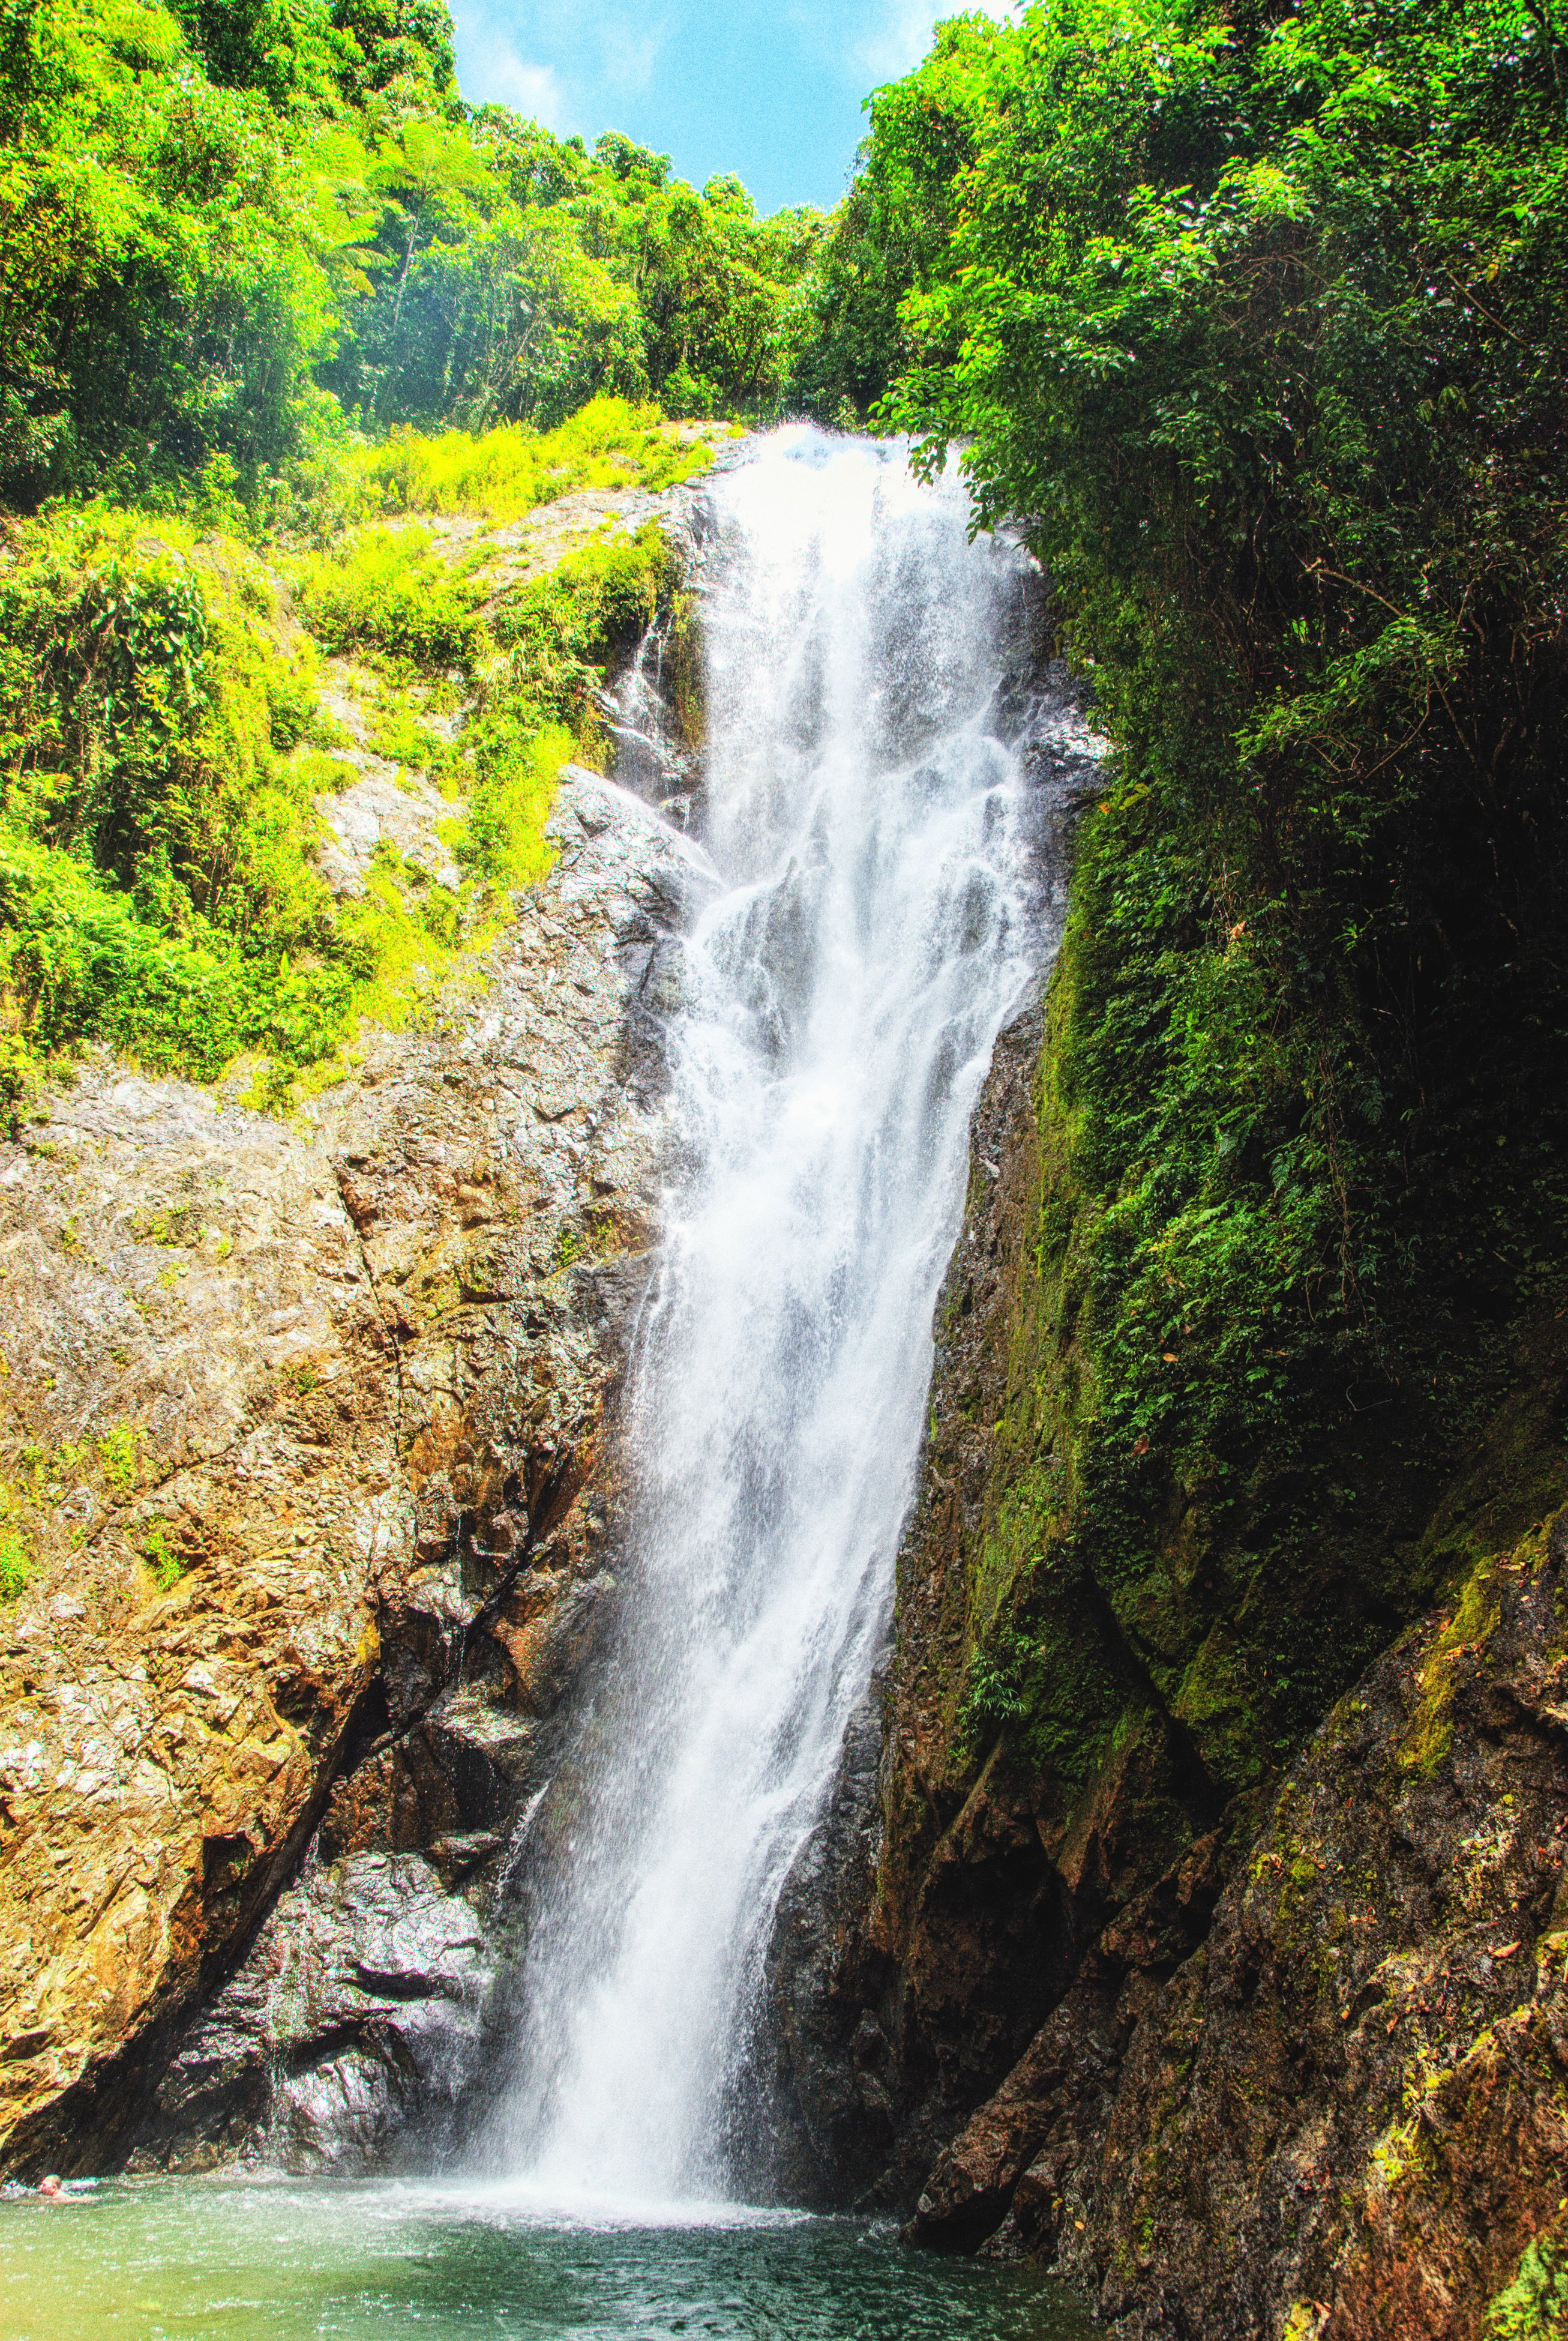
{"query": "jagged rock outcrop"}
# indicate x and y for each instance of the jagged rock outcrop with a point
(315, 1415)
(353, 2016)
(1346, 2113)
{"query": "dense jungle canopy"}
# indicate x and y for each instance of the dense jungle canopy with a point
(229, 228)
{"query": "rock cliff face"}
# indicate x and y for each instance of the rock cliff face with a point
(317, 1417)
(1345, 2112)
(1278, 2057)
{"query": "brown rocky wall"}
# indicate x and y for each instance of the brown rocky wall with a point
(310, 1419)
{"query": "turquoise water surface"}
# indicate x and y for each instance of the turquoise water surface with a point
(222, 2259)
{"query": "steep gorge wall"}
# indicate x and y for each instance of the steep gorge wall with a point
(1278, 1373)
(365, 1369)
(312, 1424)
(1064, 1905)
(1345, 2112)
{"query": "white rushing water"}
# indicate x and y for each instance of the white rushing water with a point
(867, 934)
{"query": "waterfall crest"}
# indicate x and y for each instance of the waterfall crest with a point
(869, 926)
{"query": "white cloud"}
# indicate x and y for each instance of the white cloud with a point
(533, 90)
(525, 54)
(631, 44)
(492, 71)
(901, 35)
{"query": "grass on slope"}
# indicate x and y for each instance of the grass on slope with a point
(506, 474)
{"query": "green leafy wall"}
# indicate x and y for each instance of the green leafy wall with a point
(1253, 319)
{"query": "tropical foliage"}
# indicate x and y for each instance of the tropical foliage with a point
(248, 253)
(167, 752)
(1257, 318)
(225, 228)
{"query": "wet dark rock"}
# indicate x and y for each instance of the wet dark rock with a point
(831, 2117)
(1015, 2153)
(457, 1859)
(487, 1752)
(353, 2018)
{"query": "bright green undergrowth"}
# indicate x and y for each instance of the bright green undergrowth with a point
(15, 1568)
(156, 867)
(164, 1559)
(506, 474)
(536, 702)
(1534, 2306)
(391, 591)
(165, 752)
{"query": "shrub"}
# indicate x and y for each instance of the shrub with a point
(386, 590)
(15, 1568)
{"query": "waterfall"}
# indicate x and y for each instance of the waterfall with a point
(868, 928)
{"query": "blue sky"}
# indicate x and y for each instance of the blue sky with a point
(769, 88)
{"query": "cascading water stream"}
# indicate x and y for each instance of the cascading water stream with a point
(870, 928)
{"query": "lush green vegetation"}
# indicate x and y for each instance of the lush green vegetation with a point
(245, 250)
(229, 231)
(507, 472)
(1257, 318)
(1254, 316)
(1536, 2304)
(166, 750)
